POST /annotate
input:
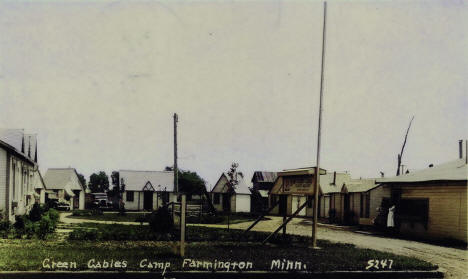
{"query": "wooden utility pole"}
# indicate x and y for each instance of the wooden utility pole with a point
(176, 173)
(317, 167)
(400, 156)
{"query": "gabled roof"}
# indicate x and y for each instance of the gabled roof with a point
(455, 171)
(359, 185)
(14, 138)
(326, 182)
(240, 188)
(62, 179)
(137, 180)
(264, 176)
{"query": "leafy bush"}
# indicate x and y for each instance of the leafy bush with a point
(38, 223)
(54, 215)
(161, 220)
(35, 213)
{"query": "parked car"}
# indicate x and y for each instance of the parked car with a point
(101, 201)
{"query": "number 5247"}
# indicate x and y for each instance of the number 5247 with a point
(379, 264)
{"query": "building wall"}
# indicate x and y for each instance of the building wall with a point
(3, 181)
(242, 203)
(21, 189)
(447, 211)
(376, 196)
(296, 202)
(218, 206)
(138, 200)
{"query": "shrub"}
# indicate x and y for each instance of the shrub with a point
(20, 221)
(161, 220)
(54, 215)
(35, 213)
(45, 226)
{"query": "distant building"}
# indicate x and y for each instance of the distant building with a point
(147, 190)
(291, 191)
(239, 201)
(64, 185)
(356, 202)
(262, 182)
(21, 183)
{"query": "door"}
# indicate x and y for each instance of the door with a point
(226, 203)
(148, 200)
(283, 201)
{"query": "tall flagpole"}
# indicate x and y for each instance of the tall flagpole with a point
(317, 167)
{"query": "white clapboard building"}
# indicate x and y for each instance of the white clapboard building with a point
(147, 190)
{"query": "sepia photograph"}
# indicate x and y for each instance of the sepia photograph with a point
(233, 139)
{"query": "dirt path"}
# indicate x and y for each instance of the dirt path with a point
(64, 219)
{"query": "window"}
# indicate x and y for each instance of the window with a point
(414, 210)
(216, 198)
(130, 196)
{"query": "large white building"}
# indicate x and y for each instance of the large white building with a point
(21, 184)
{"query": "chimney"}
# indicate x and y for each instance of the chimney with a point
(334, 178)
(460, 149)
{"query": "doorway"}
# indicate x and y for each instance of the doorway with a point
(283, 201)
(148, 200)
(226, 203)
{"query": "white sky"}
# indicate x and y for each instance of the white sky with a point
(99, 82)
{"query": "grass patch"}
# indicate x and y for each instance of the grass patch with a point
(139, 217)
(114, 217)
(19, 255)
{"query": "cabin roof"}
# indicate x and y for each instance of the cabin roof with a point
(62, 179)
(241, 187)
(264, 176)
(135, 180)
(359, 185)
(456, 170)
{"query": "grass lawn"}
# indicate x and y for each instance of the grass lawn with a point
(205, 244)
(116, 217)
(134, 217)
(29, 254)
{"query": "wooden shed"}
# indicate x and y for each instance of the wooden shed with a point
(431, 203)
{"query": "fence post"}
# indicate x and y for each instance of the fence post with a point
(182, 225)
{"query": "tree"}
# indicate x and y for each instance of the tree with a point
(118, 189)
(231, 186)
(98, 182)
(82, 179)
(191, 183)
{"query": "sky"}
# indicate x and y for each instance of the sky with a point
(99, 81)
